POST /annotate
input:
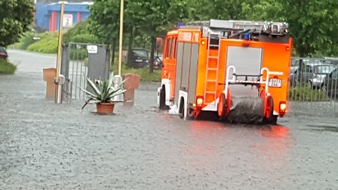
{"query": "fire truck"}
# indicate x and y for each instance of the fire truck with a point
(208, 66)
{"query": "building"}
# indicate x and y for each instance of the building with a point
(47, 16)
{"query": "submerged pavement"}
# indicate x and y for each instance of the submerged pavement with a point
(48, 146)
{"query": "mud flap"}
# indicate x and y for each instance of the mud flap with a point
(246, 110)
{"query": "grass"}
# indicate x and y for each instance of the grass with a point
(47, 44)
(45, 40)
(6, 67)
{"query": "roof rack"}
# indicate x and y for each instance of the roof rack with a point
(277, 28)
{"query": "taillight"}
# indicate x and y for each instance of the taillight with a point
(282, 108)
(3, 54)
(199, 101)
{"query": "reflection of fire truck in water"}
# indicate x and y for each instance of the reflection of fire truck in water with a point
(221, 66)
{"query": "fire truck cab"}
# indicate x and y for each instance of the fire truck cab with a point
(207, 64)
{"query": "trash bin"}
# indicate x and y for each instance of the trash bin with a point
(49, 75)
(132, 83)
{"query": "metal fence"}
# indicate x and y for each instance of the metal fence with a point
(314, 86)
(80, 61)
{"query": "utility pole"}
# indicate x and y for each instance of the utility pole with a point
(59, 79)
(121, 36)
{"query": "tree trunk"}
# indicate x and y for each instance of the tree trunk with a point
(113, 51)
(300, 65)
(130, 46)
(152, 53)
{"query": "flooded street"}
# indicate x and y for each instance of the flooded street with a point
(48, 146)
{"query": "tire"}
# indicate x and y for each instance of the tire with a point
(272, 120)
(162, 105)
(221, 107)
(311, 86)
(181, 109)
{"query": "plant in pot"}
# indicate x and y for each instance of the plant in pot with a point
(104, 93)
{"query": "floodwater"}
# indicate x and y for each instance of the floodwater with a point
(44, 145)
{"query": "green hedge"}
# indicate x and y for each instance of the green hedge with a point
(84, 38)
(144, 73)
(306, 93)
(26, 40)
(81, 30)
(47, 44)
(6, 67)
(78, 54)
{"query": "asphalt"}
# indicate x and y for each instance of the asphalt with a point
(44, 145)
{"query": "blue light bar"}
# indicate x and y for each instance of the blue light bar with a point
(180, 24)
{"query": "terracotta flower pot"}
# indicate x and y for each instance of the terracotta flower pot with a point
(105, 108)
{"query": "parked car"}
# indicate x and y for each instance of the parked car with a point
(293, 75)
(331, 60)
(313, 72)
(331, 84)
(3, 53)
(158, 62)
(139, 58)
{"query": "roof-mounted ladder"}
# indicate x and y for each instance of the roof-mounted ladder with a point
(211, 84)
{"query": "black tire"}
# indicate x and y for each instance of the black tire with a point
(181, 109)
(162, 105)
(221, 105)
(190, 114)
(272, 120)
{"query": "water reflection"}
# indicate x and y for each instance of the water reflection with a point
(274, 131)
(214, 140)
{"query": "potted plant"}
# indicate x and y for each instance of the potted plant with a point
(104, 93)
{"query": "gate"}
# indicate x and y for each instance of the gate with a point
(313, 87)
(79, 61)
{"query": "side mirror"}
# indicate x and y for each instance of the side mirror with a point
(158, 43)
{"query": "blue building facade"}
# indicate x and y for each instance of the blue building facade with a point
(47, 17)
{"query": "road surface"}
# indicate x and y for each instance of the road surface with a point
(48, 146)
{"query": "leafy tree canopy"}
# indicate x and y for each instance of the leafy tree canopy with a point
(16, 16)
(312, 23)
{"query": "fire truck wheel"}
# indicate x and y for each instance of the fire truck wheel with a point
(181, 109)
(162, 99)
(272, 119)
(221, 107)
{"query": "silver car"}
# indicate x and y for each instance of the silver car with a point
(319, 75)
(313, 73)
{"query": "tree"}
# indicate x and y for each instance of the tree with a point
(215, 9)
(263, 10)
(16, 17)
(104, 19)
(154, 17)
(312, 24)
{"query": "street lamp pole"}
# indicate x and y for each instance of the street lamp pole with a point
(121, 36)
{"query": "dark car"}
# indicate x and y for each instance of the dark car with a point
(139, 58)
(3, 53)
(331, 84)
(313, 73)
